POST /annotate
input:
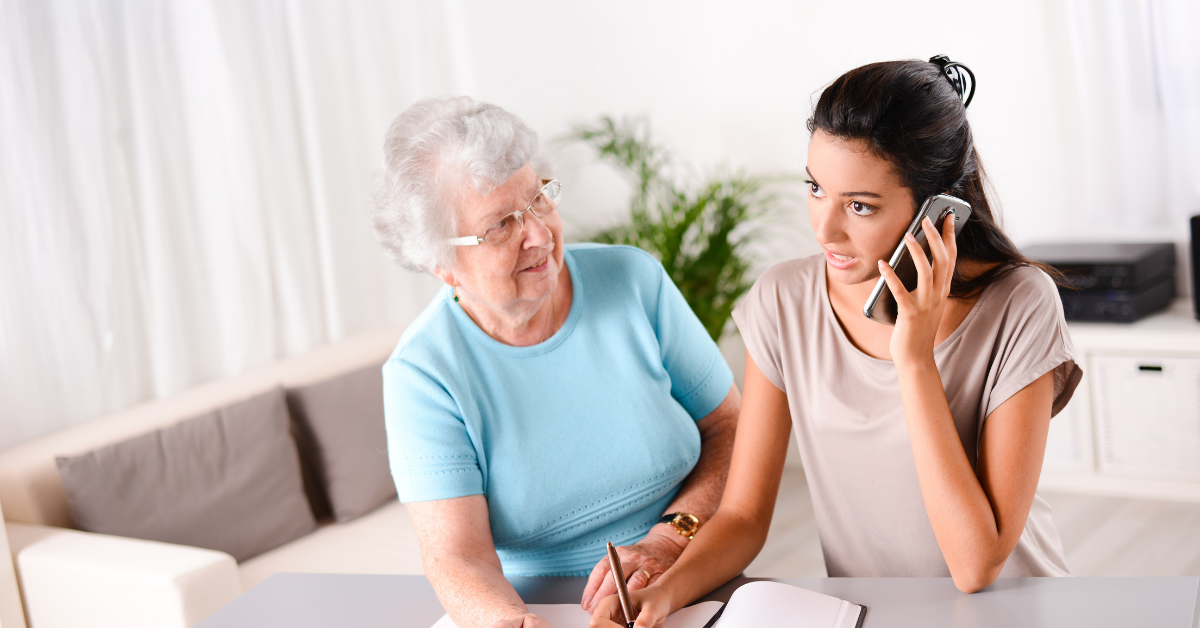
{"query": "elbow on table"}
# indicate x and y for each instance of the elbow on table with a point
(975, 578)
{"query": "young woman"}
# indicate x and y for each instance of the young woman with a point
(922, 443)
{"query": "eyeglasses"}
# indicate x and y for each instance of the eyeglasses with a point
(542, 203)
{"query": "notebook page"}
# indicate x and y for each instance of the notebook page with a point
(776, 604)
(572, 616)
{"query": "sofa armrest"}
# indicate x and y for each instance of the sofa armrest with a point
(82, 579)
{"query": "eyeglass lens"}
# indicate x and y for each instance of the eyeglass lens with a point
(544, 202)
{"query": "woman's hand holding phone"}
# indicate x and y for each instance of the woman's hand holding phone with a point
(920, 311)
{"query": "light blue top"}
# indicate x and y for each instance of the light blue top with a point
(533, 428)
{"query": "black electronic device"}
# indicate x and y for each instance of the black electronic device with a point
(1111, 282)
(1108, 266)
(1117, 306)
(1196, 266)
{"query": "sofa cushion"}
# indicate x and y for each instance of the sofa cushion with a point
(31, 488)
(339, 425)
(228, 480)
(383, 541)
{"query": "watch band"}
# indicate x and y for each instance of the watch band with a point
(685, 524)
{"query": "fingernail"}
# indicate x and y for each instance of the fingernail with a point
(909, 237)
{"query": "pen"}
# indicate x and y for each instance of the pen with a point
(622, 590)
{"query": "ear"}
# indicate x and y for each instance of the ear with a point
(446, 276)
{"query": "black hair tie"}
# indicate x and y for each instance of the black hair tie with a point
(959, 75)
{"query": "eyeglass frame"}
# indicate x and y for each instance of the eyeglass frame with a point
(517, 215)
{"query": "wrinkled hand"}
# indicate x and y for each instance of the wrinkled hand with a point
(642, 563)
(920, 311)
(528, 620)
(651, 605)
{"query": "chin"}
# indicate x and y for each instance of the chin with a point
(850, 276)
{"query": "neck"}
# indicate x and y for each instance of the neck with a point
(526, 325)
(849, 292)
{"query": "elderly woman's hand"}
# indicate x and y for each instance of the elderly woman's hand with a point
(642, 562)
(528, 620)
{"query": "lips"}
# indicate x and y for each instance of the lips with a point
(839, 261)
(539, 266)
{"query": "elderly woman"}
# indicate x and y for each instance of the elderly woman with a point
(551, 398)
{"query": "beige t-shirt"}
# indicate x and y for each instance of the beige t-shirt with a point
(849, 419)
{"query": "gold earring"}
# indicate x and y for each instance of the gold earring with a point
(455, 294)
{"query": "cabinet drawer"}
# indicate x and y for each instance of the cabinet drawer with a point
(1147, 415)
(1068, 445)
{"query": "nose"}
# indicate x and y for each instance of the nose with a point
(826, 224)
(536, 231)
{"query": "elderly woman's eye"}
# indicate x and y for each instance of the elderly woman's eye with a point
(815, 189)
(498, 227)
(861, 209)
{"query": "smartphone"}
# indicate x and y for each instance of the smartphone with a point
(881, 305)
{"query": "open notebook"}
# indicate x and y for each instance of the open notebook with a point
(753, 605)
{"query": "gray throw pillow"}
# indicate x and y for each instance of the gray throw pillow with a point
(228, 480)
(339, 425)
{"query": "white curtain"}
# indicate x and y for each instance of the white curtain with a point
(1137, 71)
(183, 189)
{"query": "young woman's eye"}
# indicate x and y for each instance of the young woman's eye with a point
(860, 209)
(815, 189)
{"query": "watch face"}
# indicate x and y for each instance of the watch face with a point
(687, 524)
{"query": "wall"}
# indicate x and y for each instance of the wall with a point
(735, 85)
(723, 84)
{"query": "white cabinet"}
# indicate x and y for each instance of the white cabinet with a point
(1146, 410)
(1133, 426)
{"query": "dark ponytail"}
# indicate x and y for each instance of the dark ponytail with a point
(911, 114)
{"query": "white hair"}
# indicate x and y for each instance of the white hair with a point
(429, 152)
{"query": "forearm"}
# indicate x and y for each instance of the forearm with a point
(721, 551)
(474, 591)
(701, 491)
(963, 520)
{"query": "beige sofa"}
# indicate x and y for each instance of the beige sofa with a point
(81, 579)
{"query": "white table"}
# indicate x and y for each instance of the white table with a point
(374, 601)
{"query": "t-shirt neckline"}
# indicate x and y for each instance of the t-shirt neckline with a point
(827, 307)
(475, 333)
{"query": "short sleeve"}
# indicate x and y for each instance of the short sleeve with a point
(757, 319)
(1034, 341)
(700, 378)
(429, 447)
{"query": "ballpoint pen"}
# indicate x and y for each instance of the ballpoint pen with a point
(622, 591)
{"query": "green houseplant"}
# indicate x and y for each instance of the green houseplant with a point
(699, 229)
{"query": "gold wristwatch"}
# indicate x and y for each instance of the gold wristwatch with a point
(684, 523)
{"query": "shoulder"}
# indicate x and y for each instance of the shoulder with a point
(1025, 288)
(794, 283)
(426, 336)
(791, 277)
(613, 257)
(609, 270)
(1022, 302)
